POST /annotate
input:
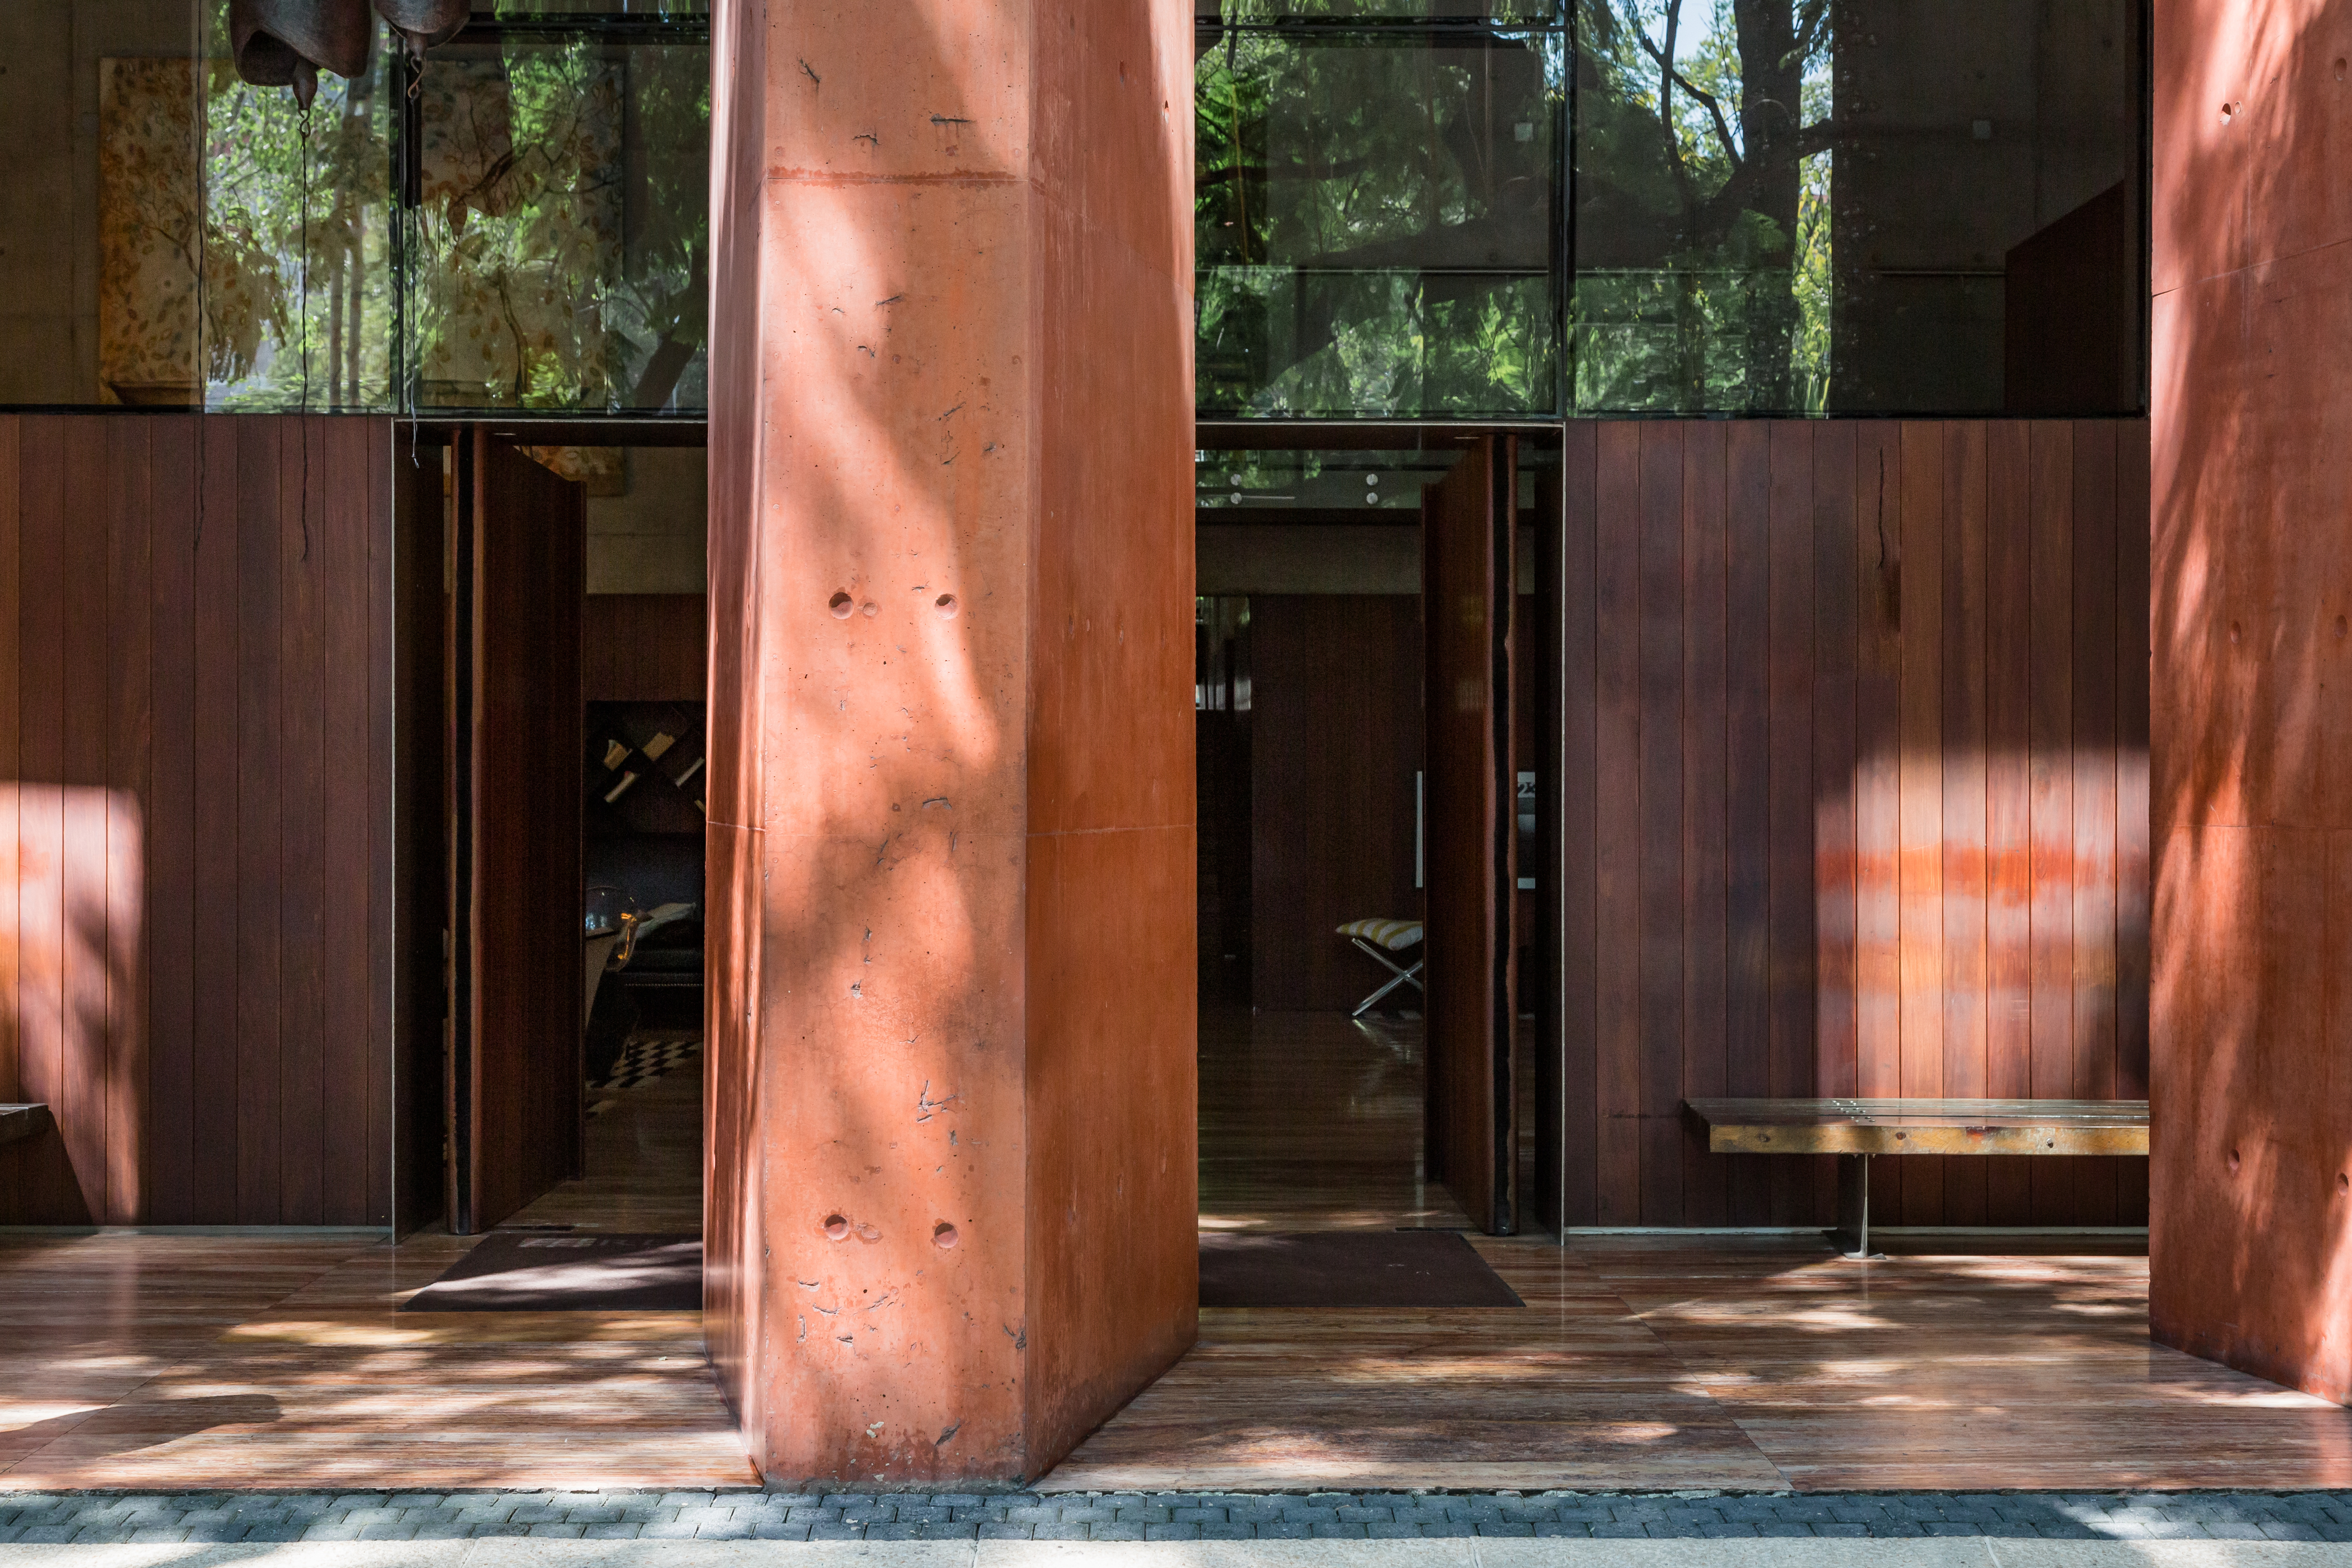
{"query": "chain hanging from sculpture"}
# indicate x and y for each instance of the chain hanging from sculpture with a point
(285, 43)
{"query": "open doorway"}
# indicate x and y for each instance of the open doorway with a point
(1362, 777)
(569, 787)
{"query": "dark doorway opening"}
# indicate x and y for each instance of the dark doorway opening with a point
(1366, 722)
(553, 653)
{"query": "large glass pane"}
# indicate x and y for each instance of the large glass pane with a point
(560, 252)
(1375, 221)
(1873, 205)
(184, 239)
(297, 306)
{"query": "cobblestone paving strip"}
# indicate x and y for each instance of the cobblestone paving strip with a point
(751, 1514)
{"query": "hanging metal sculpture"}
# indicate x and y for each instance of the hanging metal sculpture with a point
(285, 43)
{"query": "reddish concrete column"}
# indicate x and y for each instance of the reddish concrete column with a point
(2251, 1189)
(952, 1195)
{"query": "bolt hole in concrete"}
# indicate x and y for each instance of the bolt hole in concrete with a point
(943, 1236)
(841, 605)
(2339, 69)
(945, 605)
(836, 1228)
(2343, 1182)
(2233, 1161)
(2228, 109)
(869, 608)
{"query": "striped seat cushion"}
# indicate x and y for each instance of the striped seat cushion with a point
(1394, 935)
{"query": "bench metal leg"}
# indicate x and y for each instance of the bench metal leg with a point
(1403, 976)
(1852, 1233)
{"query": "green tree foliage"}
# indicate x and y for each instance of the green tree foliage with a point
(1702, 190)
(1373, 222)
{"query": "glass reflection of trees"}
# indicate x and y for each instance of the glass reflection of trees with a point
(1702, 180)
(561, 240)
(297, 298)
(558, 259)
(1374, 218)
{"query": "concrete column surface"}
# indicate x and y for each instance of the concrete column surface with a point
(952, 1192)
(2251, 733)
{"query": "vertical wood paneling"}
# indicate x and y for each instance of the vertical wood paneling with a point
(165, 823)
(2009, 912)
(2132, 828)
(1834, 648)
(1863, 652)
(350, 1073)
(1578, 761)
(2050, 721)
(1618, 863)
(1922, 796)
(127, 708)
(1336, 721)
(1789, 704)
(81, 1107)
(1748, 621)
(214, 942)
(1660, 786)
(1964, 752)
(172, 907)
(1877, 797)
(1705, 810)
(645, 647)
(302, 888)
(48, 1187)
(260, 973)
(2094, 795)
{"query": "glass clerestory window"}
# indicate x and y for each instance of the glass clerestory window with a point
(1450, 208)
(522, 225)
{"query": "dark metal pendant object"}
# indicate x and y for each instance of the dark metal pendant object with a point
(425, 23)
(287, 43)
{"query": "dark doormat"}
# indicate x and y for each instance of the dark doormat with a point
(584, 1271)
(1348, 1268)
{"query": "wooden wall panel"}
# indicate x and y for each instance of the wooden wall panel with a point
(1467, 522)
(1335, 685)
(191, 876)
(528, 568)
(1867, 800)
(645, 647)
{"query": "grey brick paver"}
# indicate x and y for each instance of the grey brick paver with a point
(792, 1514)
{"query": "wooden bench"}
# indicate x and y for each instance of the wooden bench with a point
(18, 1122)
(1856, 1130)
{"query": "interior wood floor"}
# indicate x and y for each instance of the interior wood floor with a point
(180, 1363)
(1642, 1363)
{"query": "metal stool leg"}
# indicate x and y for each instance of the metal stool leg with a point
(1400, 977)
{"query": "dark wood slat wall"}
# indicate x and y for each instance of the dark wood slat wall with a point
(645, 647)
(194, 845)
(1856, 801)
(1335, 687)
(529, 570)
(1471, 831)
